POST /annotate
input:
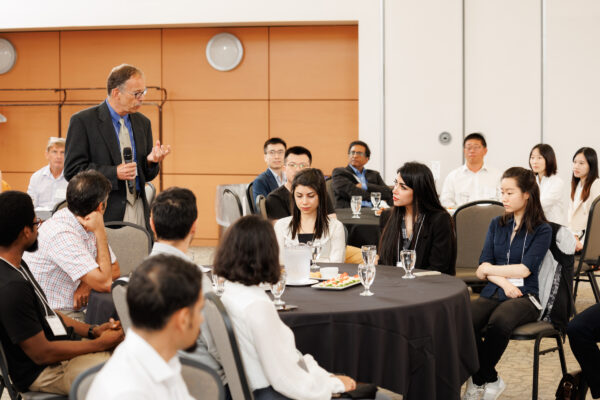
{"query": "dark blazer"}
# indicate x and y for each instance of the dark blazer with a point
(436, 248)
(264, 184)
(344, 186)
(92, 144)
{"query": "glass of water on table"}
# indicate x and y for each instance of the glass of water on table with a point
(368, 252)
(366, 273)
(315, 251)
(277, 290)
(408, 259)
(375, 200)
(355, 205)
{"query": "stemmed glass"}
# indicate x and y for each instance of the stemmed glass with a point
(375, 199)
(218, 283)
(369, 252)
(355, 205)
(277, 290)
(315, 251)
(408, 258)
(366, 273)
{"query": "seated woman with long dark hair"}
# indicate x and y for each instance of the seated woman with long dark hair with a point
(247, 256)
(309, 220)
(514, 248)
(418, 222)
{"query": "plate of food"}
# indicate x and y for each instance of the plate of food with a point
(340, 282)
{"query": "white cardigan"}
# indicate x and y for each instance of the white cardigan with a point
(552, 197)
(578, 210)
(333, 245)
(268, 348)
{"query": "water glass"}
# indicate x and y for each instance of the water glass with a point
(366, 273)
(408, 258)
(315, 247)
(369, 252)
(355, 204)
(277, 290)
(218, 284)
(375, 199)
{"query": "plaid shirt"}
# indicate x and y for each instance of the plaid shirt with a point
(66, 253)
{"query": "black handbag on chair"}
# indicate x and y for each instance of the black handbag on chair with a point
(572, 386)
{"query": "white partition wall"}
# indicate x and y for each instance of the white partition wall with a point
(503, 77)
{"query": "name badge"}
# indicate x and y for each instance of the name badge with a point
(56, 325)
(518, 282)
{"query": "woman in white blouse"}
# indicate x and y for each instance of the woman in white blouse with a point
(542, 162)
(247, 256)
(585, 187)
(309, 220)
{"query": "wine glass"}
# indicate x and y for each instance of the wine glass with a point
(408, 257)
(369, 252)
(355, 204)
(277, 290)
(315, 248)
(375, 199)
(366, 273)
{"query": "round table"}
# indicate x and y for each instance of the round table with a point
(414, 337)
(361, 231)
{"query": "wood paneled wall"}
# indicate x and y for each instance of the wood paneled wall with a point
(298, 83)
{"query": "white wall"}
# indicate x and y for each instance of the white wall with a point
(425, 49)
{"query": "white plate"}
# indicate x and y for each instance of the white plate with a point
(304, 283)
(317, 286)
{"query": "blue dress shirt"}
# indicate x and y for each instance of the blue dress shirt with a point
(115, 120)
(528, 248)
(363, 181)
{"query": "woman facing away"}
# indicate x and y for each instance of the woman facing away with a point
(309, 220)
(247, 256)
(585, 187)
(542, 162)
(514, 248)
(419, 222)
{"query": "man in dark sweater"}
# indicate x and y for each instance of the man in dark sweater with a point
(278, 203)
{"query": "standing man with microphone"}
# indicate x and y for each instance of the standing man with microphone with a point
(115, 139)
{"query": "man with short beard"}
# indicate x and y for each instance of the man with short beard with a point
(42, 346)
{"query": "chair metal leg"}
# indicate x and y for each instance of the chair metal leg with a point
(536, 368)
(594, 285)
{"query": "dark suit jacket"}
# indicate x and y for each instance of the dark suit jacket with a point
(436, 248)
(264, 184)
(344, 186)
(92, 144)
(278, 203)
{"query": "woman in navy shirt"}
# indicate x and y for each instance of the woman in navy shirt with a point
(514, 248)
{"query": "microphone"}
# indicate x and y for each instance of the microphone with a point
(128, 157)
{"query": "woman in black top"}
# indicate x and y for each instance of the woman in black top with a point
(418, 222)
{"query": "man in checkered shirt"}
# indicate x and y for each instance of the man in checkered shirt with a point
(73, 255)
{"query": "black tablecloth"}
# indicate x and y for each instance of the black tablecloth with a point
(414, 337)
(363, 230)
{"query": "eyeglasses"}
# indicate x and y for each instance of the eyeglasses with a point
(357, 153)
(474, 148)
(138, 95)
(299, 166)
(276, 152)
(36, 222)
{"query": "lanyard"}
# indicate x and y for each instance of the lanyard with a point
(35, 289)
(403, 234)
(522, 251)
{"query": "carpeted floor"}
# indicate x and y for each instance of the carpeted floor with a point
(516, 366)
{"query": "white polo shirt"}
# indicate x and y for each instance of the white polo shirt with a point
(46, 190)
(137, 371)
(463, 185)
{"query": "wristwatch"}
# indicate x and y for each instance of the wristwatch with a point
(91, 332)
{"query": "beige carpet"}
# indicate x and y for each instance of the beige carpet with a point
(516, 366)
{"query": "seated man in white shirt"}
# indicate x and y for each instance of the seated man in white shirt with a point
(73, 255)
(473, 181)
(48, 186)
(165, 303)
(173, 220)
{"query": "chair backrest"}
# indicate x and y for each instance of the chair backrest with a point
(5, 381)
(591, 247)
(471, 221)
(81, 386)
(131, 244)
(250, 198)
(59, 206)
(119, 296)
(330, 193)
(202, 382)
(261, 202)
(221, 330)
(233, 206)
(150, 192)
